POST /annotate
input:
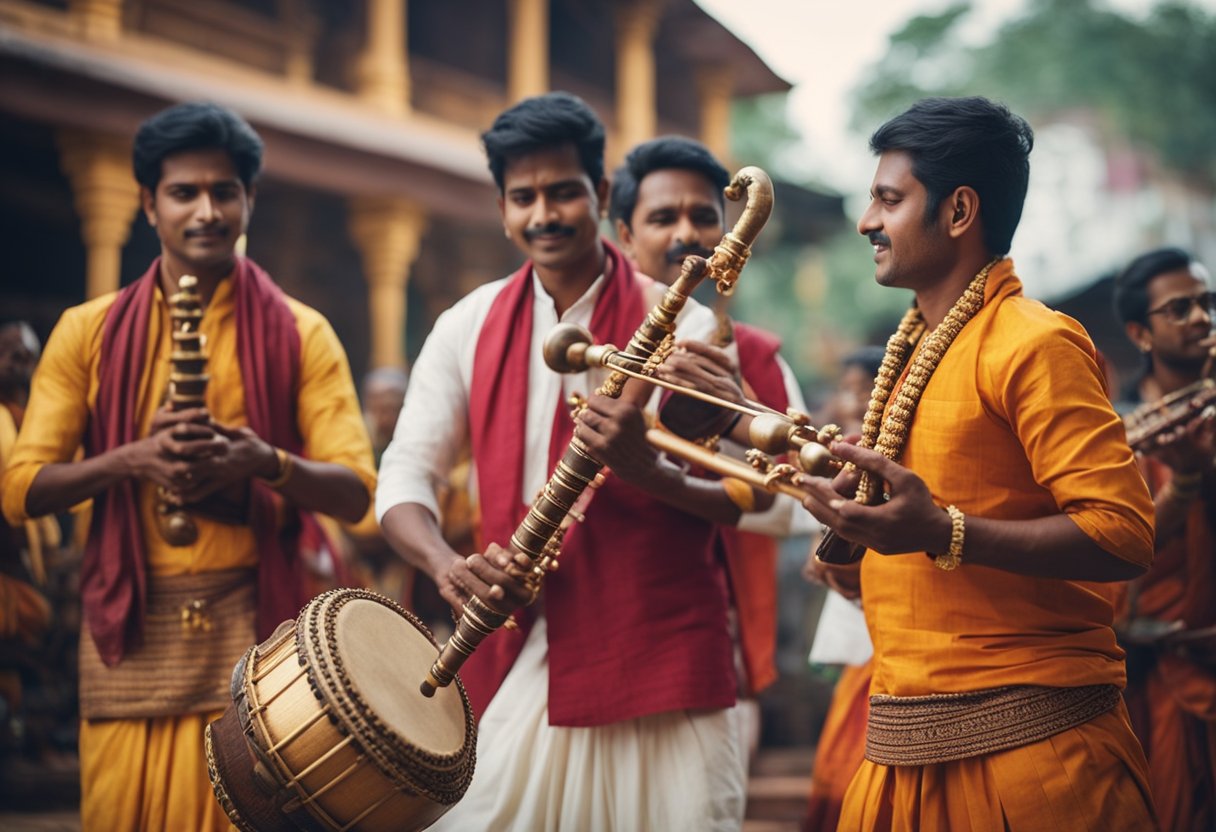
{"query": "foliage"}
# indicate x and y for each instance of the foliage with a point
(1150, 82)
(819, 296)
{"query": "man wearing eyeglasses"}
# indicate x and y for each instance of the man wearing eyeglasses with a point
(1166, 304)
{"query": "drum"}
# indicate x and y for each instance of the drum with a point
(327, 729)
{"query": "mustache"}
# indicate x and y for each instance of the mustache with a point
(553, 228)
(877, 238)
(676, 254)
(207, 229)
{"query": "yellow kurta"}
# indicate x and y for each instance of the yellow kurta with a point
(1014, 424)
(151, 774)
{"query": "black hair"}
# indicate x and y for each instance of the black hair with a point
(195, 125)
(663, 153)
(542, 122)
(868, 358)
(966, 141)
(1131, 284)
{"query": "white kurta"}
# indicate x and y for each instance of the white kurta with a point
(677, 772)
(671, 771)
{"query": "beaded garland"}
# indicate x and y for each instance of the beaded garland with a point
(889, 434)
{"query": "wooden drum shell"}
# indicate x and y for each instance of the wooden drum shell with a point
(317, 749)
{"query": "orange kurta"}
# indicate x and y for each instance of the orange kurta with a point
(151, 774)
(1172, 700)
(1014, 424)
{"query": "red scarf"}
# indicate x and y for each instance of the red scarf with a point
(114, 572)
(751, 559)
(636, 578)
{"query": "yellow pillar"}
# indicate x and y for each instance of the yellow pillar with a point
(300, 24)
(387, 231)
(99, 169)
(97, 19)
(714, 90)
(636, 23)
(383, 69)
(527, 48)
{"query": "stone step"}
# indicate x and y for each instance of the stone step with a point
(777, 787)
(770, 826)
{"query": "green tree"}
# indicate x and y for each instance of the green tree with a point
(1151, 82)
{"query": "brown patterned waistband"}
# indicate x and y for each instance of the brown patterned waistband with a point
(940, 728)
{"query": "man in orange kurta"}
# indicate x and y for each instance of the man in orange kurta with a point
(1166, 304)
(142, 761)
(996, 671)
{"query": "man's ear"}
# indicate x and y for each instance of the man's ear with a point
(963, 209)
(624, 236)
(1140, 335)
(502, 213)
(148, 201)
(602, 191)
(252, 193)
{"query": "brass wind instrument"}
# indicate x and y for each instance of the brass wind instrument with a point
(187, 388)
(1150, 421)
(577, 468)
(568, 349)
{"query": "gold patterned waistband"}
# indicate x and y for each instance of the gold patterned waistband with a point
(940, 728)
(195, 628)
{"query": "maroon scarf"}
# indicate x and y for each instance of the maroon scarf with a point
(751, 559)
(114, 572)
(633, 561)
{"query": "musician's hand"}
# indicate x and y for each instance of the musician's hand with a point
(842, 578)
(484, 576)
(177, 441)
(238, 455)
(705, 368)
(908, 522)
(615, 433)
(1188, 449)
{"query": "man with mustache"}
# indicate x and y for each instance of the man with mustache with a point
(610, 706)
(992, 487)
(667, 203)
(166, 618)
(1165, 301)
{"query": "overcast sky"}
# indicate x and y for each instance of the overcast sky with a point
(823, 47)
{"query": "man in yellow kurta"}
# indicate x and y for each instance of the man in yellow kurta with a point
(165, 619)
(996, 489)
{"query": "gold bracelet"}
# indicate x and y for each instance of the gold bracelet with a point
(286, 463)
(740, 493)
(954, 555)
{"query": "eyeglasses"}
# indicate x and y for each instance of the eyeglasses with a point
(1178, 310)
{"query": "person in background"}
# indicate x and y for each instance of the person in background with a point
(383, 394)
(666, 203)
(842, 740)
(281, 436)
(1164, 299)
(25, 613)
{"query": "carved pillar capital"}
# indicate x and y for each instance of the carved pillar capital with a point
(715, 87)
(388, 232)
(98, 166)
(527, 48)
(636, 25)
(97, 19)
(382, 74)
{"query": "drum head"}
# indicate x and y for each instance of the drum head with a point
(385, 657)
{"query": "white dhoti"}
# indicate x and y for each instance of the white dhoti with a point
(678, 771)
